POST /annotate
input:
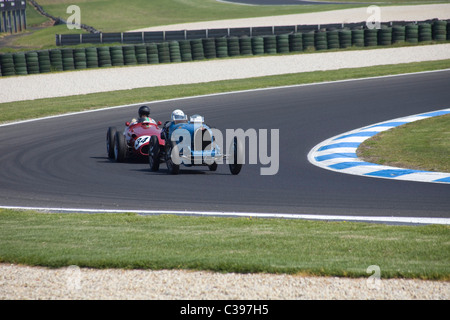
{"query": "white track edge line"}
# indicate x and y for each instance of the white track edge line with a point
(217, 94)
(379, 219)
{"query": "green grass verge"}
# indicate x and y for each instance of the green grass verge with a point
(118, 15)
(421, 145)
(243, 245)
(23, 110)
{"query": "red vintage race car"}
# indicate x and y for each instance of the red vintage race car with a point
(133, 141)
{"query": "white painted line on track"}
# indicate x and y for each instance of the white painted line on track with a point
(377, 219)
(222, 94)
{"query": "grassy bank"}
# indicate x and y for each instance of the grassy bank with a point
(117, 15)
(223, 244)
(421, 145)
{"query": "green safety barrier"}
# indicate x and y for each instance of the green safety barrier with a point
(62, 59)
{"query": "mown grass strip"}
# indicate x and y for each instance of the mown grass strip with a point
(23, 110)
(243, 245)
(420, 145)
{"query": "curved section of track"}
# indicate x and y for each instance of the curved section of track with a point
(339, 153)
(61, 162)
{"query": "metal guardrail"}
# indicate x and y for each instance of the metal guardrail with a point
(177, 35)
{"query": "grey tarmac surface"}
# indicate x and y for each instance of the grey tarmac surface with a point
(61, 162)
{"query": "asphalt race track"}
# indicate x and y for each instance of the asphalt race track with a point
(61, 162)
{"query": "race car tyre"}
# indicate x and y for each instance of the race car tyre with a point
(237, 156)
(153, 153)
(213, 167)
(120, 150)
(110, 142)
(171, 166)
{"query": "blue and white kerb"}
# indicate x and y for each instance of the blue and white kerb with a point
(339, 153)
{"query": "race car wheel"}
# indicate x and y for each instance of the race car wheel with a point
(213, 167)
(110, 135)
(237, 156)
(171, 166)
(120, 150)
(153, 153)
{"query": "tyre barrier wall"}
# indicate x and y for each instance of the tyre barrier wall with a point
(63, 59)
(96, 37)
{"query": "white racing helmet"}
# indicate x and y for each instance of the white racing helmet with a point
(178, 116)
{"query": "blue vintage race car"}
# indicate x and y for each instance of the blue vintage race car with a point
(192, 143)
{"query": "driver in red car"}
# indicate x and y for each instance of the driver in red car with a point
(144, 116)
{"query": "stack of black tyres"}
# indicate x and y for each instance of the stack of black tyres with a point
(32, 62)
(129, 55)
(320, 40)
(333, 39)
(308, 40)
(56, 60)
(233, 46)
(385, 36)
(257, 45)
(20, 64)
(370, 37)
(345, 38)
(440, 30)
(44, 61)
(448, 30)
(296, 42)
(412, 33)
(91, 57)
(283, 43)
(270, 44)
(67, 59)
(7, 62)
(141, 54)
(117, 59)
(152, 53)
(221, 47)
(79, 58)
(425, 33)
(185, 50)
(398, 34)
(358, 37)
(174, 51)
(197, 49)
(209, 48)
(104, 57)
(163, 52)
(245, 46)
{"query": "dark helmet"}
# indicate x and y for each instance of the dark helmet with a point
(144, 111)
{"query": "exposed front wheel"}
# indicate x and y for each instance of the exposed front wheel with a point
(120, 150)
(237, 156)
(153, 153)
(172, 165)
(110, 141)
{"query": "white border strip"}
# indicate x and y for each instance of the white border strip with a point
(339, 154)
(378, 219)
(218, 94)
